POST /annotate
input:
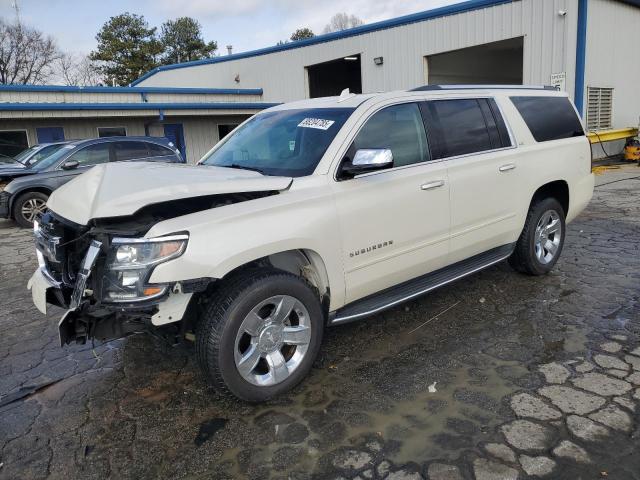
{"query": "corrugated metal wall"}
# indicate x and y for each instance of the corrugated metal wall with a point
(549, 47)
(613, 57)
(112, 97)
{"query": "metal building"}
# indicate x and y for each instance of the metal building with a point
(587, 47)
(193, 118)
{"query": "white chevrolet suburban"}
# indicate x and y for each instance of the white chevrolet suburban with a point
(311, 214)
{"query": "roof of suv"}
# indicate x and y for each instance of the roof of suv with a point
(159, 140)
(347, 100)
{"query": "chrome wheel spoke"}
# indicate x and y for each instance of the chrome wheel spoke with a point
(249, 360)
(553, 227)
(253, 323)
(283, 309)
(548, 236)
(551, 247)
(278, 369)
(298, 335)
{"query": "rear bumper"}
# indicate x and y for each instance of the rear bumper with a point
(4, 204)
(580, 195)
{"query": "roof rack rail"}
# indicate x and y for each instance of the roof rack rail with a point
(482, 87)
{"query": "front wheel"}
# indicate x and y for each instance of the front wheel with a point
(542, 238)
(260, 334)
(28, 206)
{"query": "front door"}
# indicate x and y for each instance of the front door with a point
(175, 134)
(394, 222)
(50, 134)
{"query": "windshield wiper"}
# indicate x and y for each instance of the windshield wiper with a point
(242, 167)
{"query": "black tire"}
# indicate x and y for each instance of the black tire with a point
(222, 318)
(23, 200)
(524, 258)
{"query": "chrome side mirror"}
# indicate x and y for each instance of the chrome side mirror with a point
(368, 160)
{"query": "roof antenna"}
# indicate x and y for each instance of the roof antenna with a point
(344, 95)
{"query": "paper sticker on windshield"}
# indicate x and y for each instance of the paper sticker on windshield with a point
(318, 123)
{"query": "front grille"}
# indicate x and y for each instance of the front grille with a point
(62, 247)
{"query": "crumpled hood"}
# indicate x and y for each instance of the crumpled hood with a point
(119, 189)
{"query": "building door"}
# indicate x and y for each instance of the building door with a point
(49, 134)
(175, 134)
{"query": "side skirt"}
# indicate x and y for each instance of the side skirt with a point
(406, 291)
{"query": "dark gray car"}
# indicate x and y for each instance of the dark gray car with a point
(25, 197)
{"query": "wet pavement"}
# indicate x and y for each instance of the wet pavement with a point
(498, 376)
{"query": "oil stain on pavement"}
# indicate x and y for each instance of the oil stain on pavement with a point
(498, 376)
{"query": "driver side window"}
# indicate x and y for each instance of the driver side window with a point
(398, 128)
(91, 155)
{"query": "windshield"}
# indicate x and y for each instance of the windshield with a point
(52, 157)
(33, 155)
(287, 142)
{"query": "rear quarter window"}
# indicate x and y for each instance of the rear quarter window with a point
(549, 118)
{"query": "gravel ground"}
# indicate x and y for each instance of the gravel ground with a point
(498, 376)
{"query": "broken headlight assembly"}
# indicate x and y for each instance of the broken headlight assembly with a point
(131, 261)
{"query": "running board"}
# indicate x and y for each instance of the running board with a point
(413, 288)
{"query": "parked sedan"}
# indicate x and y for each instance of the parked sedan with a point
(26, 196)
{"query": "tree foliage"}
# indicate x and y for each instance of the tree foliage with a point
(182, 41)
(301, 34)
(342, 21)
(27, 56)
(127, 48)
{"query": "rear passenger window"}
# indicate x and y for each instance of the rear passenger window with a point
(156, 150)
(549, 118)
(398, 128)
(131, 150)
(461, 127)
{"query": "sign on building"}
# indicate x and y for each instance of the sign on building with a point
(559, 80)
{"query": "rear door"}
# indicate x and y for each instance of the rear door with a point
(470, 134)
(394, 222)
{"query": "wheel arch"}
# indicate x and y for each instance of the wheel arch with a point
(558, 189)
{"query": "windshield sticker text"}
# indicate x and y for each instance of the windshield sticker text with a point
(318, 123)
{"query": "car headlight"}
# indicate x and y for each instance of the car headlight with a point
(129, 265)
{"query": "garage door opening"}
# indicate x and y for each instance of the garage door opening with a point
(330, 78)
(498, 63)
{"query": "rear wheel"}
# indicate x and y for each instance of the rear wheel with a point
(542, 238)
(28, 206)
(260, 334)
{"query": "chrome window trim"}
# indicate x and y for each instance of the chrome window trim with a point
(512, 138)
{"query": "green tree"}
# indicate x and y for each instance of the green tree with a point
(301, 34)
(182, 41)
(127, 48)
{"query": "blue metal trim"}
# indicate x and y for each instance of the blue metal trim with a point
(141, 90)
(581, 54)
(352, 32)
(136, 106)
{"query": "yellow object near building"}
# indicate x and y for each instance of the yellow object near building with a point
(632, 153)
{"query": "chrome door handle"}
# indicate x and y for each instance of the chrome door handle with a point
(507, 167)
(432, 185)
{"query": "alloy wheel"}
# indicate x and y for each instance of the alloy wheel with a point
(272, 341)
(548, 235)
(33, 207)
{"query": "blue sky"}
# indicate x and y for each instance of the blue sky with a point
(245, 24)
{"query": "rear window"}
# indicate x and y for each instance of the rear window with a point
(549, 118)
(156, 150)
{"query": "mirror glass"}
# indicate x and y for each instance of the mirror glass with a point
(372, 157)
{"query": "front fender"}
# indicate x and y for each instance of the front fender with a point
(225, 238)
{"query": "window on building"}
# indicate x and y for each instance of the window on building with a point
(112, 132)
(599, 108)
(12, 142)
(458, 127)
(92, 155)
(549, 118)
(130, 150)
(398, 128)
(224, 130)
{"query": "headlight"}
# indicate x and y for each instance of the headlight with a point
(130, 263)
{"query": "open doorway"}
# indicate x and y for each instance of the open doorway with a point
(330, 78)
(498, 63)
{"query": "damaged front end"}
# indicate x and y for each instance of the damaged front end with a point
(102, 279)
